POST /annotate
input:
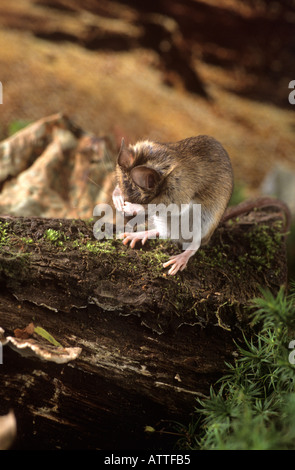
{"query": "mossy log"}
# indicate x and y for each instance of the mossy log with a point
(150, 343)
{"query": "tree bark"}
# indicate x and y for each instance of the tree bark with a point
(145, 344)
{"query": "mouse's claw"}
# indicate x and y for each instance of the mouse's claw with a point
(179, 262)
(134, 237)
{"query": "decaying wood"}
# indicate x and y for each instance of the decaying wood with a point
(149, 343)
(20, 150)
(68, 169)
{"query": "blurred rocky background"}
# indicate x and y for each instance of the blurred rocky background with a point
(161, 70)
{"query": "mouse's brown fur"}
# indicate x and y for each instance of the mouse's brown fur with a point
(195, 170)
(192, 171)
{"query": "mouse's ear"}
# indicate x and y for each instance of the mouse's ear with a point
(125, 157)
(145, 177)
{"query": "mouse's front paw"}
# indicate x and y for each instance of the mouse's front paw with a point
(178, 263)
(134, 237)
(118, 199)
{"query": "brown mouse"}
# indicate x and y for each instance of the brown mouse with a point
(196, 170)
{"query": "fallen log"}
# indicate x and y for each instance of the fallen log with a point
(125, 345)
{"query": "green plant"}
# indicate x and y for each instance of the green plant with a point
(17, 125)
(4, 237)
(254, 406)
(238, 195)
(55, 236)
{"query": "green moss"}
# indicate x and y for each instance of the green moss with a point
(4, 237)
(107, 246)
(27, 240)
(155, 258)
(264, 242)
(56, 237)
(99, 248)
(15, 264)
(14, 259)
(258, 249)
